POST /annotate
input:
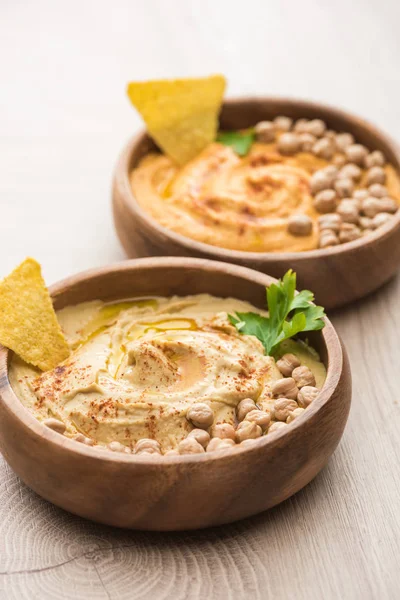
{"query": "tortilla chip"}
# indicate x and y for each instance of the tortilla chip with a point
(181, 114)
(28, 323)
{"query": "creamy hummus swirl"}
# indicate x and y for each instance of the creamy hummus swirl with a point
(240, 203)
(136, 367)
(237, 203)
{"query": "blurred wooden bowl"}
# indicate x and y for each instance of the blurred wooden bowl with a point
(336, 275)
(175, 492)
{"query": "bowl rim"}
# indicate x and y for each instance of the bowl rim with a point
(122, 180)
(335, 360)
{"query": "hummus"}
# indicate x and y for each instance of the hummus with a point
(240, 203)
(136, 367)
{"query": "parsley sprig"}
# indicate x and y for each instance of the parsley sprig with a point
(289, 314)
(239, 141)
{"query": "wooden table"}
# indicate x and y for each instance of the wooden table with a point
(63, 70)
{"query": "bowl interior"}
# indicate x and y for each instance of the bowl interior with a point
(165, 277)
(169, 277)
(174, 276)
(172, 492)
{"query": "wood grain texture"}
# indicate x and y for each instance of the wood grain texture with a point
(336, 274)
(340, 536)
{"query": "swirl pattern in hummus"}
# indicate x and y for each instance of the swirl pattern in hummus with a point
(222, 199)
(136, 367)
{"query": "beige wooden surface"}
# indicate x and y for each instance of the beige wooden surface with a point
(63, 119)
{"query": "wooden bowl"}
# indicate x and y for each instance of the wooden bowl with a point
(175, 492)
(337, 275)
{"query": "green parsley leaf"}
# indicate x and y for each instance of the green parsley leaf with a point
(302, 300)
(289, 314)
(253, 324)
(314, 318)
(240, 141)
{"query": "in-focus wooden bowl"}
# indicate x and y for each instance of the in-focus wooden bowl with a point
(337, 275)
(175, 492)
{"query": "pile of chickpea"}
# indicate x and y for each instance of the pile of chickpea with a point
(348, 210)
(292, 394)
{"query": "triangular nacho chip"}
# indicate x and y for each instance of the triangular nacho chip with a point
(181, 114)
(28, 323)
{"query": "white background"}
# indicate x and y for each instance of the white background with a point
(64, 117)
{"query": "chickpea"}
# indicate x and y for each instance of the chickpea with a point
(324, 148)
(339, 160)
(360, 195)
(356, 153)
(294, 414)
(276, 426)
(350, 171)
(300, 225)
(55, 425)
(247, 430)
(331, 171)
(321, 180)
(372, 206)
(307, 394)
(329, 133)
(325, 201)
(289, 143)
(327, 239)
(285, 388)
(190, 446)
(201, 436)
(349, 233)
(249, 442)
(283, 407)
(147, 445)
(283, 123)
(316, 127)
(344, 187)
(348, 210)
(307, 141)
(375, 159)
(365, 222)
(117, 447)
(226, 443)
(287, 363)
(148, 452)
(86, 440)
(265, 132)
(219, 444)
(201, 415)
(356, 201)
(389, 205)
(378, 190)
(376, 175)
(330, 221)
(213, 444)
(380, 219)
(344, 141)
(244, 407)
(301, 126)
(224, 431)
(303, 376)
(259, 417)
